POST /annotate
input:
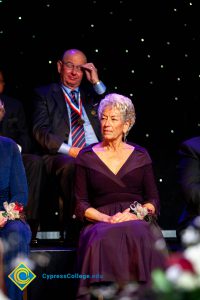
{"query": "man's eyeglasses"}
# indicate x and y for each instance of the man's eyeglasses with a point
(71, 66)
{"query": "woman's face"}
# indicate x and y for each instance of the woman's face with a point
(112, 125)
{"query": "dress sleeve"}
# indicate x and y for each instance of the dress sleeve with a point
(81, 192)
(150, 188)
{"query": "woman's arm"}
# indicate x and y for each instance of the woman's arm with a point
(94, 215)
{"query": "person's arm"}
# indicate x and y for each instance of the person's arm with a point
(23, 140)
(83, 208)
(92, 76)
(68, 150)
(18, 180)
(2, 110)
(49, 127)
(151, 196)
(189, 175)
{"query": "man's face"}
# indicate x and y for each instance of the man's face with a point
(70, 70)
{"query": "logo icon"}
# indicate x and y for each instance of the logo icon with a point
(22, 276)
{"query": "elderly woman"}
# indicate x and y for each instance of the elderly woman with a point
(117, 242)
(15, 233)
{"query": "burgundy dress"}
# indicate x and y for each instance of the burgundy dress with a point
(120, 252)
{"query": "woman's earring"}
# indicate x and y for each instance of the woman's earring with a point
(124, 137)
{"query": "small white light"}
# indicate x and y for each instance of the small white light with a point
(115, 87)
(142, 40)
(160, 180)
(168, 43)
(50, 61)
(172, 130)
(176, 98)
(19, 18)
(92, 25)
(161, 66)
(148, 55)
(96, 50)
(126, 50)
(132, 71)
(56, 213)
(178, 78)
(147, 135)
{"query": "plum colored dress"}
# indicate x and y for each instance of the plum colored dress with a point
(120, 252)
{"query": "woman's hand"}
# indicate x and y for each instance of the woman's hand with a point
(123, 217)
(150, 207)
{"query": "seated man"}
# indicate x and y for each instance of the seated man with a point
(65, 120)
(14, 231)
(13, 125)
(189, 181)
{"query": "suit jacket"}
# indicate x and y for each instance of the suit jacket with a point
(14, 123)
(13, 183)
(50, 117)
(189, 177)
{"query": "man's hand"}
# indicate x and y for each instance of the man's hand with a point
(74, 151)
(91, 72)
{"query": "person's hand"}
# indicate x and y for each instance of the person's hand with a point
(91, 72)
(150, 207)
(2, 110)
(74, 151)
(123, 217)
(3, 219)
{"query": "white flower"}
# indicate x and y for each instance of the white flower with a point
(192, 253)
(187, 281)
(190, 236)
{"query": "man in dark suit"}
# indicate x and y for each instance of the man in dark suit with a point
(189, 181)
(53, 126)
(13, 125)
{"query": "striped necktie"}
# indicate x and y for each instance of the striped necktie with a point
(77, 129)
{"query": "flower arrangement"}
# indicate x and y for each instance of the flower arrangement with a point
(143, 213)
(181, 279)
(13, 211)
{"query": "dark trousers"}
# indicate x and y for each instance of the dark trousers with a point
(35, 173)
(61, 168)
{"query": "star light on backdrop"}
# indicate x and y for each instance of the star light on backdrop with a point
(147, 50)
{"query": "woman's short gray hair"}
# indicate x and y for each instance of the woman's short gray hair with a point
(122, 103)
